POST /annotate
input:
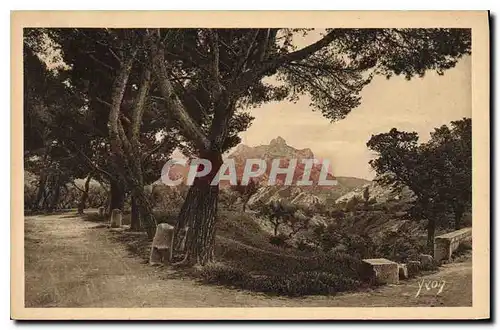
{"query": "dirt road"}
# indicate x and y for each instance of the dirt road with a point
(70, 262)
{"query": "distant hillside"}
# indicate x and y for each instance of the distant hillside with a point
(351, 182)
(379, 193)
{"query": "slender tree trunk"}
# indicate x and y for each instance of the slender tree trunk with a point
(109, 202)
(135, 222)
(46, 198)
(431, 229)
(124, 151)
(458, 212)
(117, 192)
(57, 195)
(40, 192)
(85, 195)
(146, 211)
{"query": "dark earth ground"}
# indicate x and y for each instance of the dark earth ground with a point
(70, 262)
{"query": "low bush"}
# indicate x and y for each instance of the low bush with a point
(221, 274)
(334, 238)
(303, 283)
(298, 284)
(400, 246)
(304, 245)
(413, 269)
(279, 240)
(429, 267)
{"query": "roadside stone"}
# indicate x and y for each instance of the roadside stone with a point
(413, 267)
(403, 271)
(381, 271)
(116, 218)
(161, 248)
(426, 260)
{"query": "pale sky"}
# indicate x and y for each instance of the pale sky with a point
(418, 105)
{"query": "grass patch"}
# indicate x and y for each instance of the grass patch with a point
(297, 284)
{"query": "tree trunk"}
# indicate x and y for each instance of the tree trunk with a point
(117, 192)
(135, 221)
(431, 229)
(199, 213)
(46, 199)
(146, 211)
(85, 195)
(40, 192)
(458, 212)
(57, 195)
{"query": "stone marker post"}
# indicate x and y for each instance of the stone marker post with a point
(161, 248)
(116, 218)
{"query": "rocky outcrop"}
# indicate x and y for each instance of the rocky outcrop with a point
(278, 149)
(294, 195)
(378, 193)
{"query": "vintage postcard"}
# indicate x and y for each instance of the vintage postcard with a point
(250, 165)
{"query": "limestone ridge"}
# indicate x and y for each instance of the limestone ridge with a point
(276, 149)
(306, 195)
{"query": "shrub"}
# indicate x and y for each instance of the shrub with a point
(303, 245)
(332, 237)
(429, 266)
(336, 214)
(352, 204)
(319, 274)
(413, 269)
(360, 245)
(224, 275)
(279, 240)
(399, 246)
(298, 284)
(304, 283)
(97, 197)
(228, 198)
(165, 198)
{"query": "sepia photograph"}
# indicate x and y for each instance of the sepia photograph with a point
(225, 166)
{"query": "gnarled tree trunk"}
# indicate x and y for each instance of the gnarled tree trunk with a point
(85, 195)
(40, 191)
(458, 211)
(431, 230)
(145, 209)
(117, 195)
(199, 213)
(135, 215)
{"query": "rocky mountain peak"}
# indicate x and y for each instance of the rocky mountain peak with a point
(278, 141)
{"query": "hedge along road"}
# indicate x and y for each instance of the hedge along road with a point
(70, 262)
